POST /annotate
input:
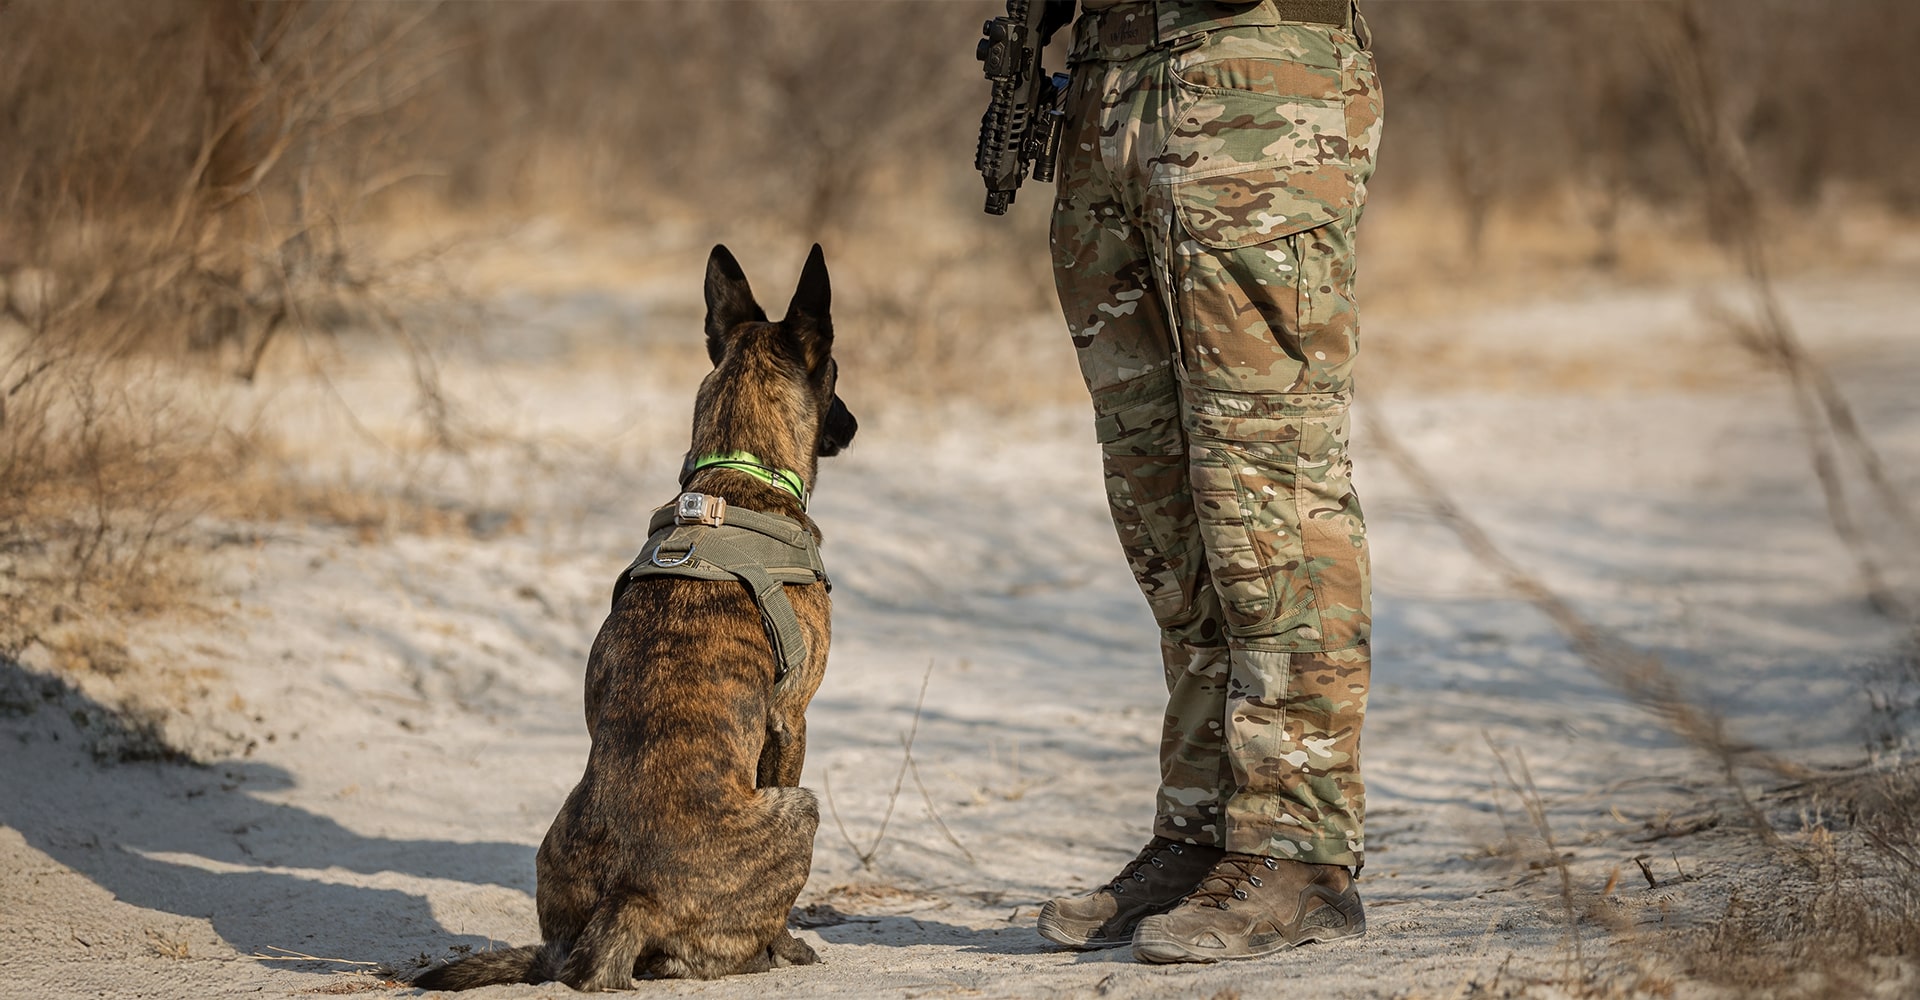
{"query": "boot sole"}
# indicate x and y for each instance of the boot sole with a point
(1052, 927)
(1152, 946)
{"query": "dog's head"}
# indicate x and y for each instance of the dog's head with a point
(772, 388)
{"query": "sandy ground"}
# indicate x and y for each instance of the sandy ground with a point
(390, 724)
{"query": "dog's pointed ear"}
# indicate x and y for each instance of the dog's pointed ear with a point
(813, 298)
(729, 301)
(808, 314)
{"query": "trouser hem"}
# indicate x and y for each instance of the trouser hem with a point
(1286, 847)
(1312, 850)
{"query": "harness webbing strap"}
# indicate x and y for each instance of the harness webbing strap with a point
(764, 552)
(776, 612)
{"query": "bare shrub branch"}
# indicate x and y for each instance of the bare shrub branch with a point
(872, 849)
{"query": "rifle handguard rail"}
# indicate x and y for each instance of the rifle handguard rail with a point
(1026, 115)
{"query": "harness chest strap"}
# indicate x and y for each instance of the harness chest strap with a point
(763, 551)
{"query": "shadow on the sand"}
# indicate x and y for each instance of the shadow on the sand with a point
(196, 840)
(897, 929)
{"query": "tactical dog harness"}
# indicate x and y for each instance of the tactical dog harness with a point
(700, 537)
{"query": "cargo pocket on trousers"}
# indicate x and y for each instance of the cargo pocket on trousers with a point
(1249, 167)
(1248, 173)
(1244, 453)
(1282, 532)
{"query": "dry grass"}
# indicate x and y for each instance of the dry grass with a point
(1841, 918)
(1833, 908)
(168, 217)
(1839, 911)
(1826, 906)
(109, 471)
(94, 468)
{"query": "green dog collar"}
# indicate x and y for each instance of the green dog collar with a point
(749, 463)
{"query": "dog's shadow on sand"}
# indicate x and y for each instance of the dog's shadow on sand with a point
(199, 841)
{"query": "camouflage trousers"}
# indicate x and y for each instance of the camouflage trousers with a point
(1203, 250)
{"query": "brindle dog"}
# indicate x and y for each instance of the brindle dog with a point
(684, 845)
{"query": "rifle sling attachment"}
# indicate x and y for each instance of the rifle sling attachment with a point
(700, 537)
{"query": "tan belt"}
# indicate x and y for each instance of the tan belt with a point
(1131, 29)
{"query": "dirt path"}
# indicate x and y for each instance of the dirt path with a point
(396, 723)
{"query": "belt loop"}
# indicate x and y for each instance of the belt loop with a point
(1361, 33)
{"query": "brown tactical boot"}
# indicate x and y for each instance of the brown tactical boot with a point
(1249, 906)
(1159, 876)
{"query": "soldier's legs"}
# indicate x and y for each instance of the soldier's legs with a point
(1214, 321)
(1260, 256)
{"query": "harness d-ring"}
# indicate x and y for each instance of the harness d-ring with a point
(682, 561)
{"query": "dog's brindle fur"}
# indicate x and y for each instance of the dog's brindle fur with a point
(684, 845)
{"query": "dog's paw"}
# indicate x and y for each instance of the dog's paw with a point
(789, 950)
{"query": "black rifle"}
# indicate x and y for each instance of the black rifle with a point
(1028, 110)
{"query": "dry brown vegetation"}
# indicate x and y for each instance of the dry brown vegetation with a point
(1843, 918)
(1506, 104)
(187, 177)
(1828, 905)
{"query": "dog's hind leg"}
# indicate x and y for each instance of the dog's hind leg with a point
(613, 941)
(793, 816)
(739, 924)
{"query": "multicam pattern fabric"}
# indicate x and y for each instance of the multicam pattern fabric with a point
(1203, 247)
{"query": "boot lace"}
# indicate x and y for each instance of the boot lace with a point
(1135, 871)
(1229, 878)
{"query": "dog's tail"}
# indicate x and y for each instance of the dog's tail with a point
(533, 963)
